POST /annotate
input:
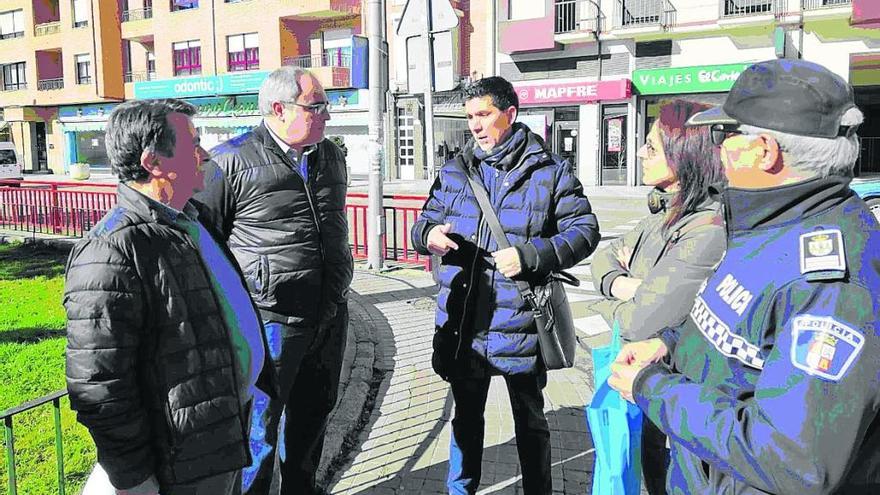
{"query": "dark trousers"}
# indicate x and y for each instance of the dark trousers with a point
(655, 458)
(221, 484)
(468, 426)
(308, 362)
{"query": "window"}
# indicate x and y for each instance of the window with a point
(151, 66)
(337, 48)
(178, 5)
(187, 58)
(14, 77)
(80, 13)
(243, 52)
(11, 24)
(83, 69)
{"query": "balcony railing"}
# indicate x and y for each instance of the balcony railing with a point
(50, 84)
(823, 4)
(577, 16)
(745, 8)
(639, 13)
(139, 76)
(13, 86)
(332, 59)
(47, 28)
(137, 14)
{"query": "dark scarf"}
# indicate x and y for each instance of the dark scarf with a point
(508, 154)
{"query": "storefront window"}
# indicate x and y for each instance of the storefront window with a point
(90, 149)
(613, 151)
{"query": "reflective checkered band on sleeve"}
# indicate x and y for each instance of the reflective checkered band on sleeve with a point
(727, 343)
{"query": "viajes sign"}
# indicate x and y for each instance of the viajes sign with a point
(697, 79)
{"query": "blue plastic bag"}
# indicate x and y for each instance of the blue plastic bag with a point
(616, 428)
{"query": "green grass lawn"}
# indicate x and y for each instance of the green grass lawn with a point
(32, 365)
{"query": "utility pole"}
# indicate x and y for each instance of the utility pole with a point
(375, 213)
(428, 36)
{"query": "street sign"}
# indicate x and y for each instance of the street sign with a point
(412, 23)
(446, 56)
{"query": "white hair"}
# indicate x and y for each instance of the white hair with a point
(818, 156)
(281, 85)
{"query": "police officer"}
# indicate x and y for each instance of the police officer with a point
(771, 385)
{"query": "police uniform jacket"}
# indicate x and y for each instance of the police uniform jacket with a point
(773, 385)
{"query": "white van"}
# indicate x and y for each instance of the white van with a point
(10, 162)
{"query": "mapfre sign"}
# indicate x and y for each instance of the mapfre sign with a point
(572, 92)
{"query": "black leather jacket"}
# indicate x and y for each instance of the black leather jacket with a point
(290, 237)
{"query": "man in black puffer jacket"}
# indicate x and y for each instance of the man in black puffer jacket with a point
(278, 197)
(165, 346)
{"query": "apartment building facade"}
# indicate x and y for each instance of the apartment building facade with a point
(64, 65)
(592, 73)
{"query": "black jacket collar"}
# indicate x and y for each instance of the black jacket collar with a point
(748, 209)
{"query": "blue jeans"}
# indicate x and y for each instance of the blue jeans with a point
(530, 425)
(308, 361)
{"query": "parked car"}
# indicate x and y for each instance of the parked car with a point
(869, 190)
(10, 161)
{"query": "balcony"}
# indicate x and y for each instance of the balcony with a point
(734, 9)
(644, 14)
(527, 35)
(333, 69)
(866, 14)
(13, 87)
(139, 76)
(47, 28)
(322, 9)
(137, 14)
(577, 16)
(50, 84)
(823, 4)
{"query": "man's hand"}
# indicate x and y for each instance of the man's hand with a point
(438, 242)
(507, 261)
(632, 359)
(624, 288)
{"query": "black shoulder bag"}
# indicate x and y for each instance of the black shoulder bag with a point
(556, 337)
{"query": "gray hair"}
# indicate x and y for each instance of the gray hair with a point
(818, 156)
(281, 85)
(136, 126)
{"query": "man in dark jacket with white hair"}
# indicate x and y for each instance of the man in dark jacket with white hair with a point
(278, 197)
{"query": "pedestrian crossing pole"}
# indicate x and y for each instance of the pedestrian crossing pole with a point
(375, 212)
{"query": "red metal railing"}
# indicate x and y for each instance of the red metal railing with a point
(59, 208)
(72, 208)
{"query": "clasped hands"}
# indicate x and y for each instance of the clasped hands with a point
(506, 260)
(633, 358)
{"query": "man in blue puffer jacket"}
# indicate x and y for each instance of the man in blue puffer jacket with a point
(483, 326)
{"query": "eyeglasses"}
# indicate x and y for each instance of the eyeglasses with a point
(720, 132)
(316, 108)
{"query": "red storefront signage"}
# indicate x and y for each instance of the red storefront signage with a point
(555, 93)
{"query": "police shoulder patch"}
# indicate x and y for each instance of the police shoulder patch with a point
(824, 347)
(822, 251)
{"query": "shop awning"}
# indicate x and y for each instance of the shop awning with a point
(84, 126)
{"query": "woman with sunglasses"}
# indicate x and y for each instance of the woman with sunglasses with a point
(650, 276)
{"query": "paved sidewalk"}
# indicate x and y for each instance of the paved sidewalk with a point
(404, 446)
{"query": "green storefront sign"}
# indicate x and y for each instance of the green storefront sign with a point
(697, 79)
(189, 87)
